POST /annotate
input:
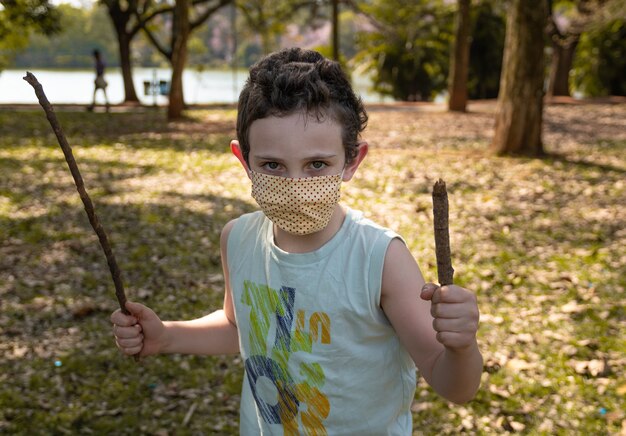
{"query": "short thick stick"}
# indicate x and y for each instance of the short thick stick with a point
(445, 272)
(80, 186)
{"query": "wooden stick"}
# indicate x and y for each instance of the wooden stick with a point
(80, 186)
(445, 272)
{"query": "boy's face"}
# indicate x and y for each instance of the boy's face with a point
(298, 146)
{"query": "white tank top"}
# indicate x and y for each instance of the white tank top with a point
(320, 356)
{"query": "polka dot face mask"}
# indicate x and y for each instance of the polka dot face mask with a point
(299, 206)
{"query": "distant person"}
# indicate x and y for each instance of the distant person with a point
(100, 83)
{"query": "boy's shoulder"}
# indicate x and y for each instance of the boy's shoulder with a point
(245, 218)
(245, 221)
(235, 227)
(367, 225)
(255, 218)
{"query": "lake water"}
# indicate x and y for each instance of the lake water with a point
(210, 86)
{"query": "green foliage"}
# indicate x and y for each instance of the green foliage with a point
(10, 45)
(210, 45)
(87, 28)
(348, 28)
(26, 16)
(486, 50)
(327, 51)
(248, 53)
(20, 18)
(83, 31)
(268, 19)
(408, 48)
(347, 34)
(600, 61)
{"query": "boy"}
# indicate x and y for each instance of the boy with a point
(322, 303)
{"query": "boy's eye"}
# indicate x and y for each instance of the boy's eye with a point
(271, 165)
(318, 165)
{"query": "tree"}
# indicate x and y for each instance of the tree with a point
(128, 18)
(269, 20)
(563, 40)
(269, 17)
(459, 61)
(600, 60)
(569, 20)
(266, 18)
(124, 16)
(486, 49)
(407, 47)
(183, 18)
(18, 19)
(520, 103)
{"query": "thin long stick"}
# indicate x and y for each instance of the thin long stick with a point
(80, 186)
(445, 272)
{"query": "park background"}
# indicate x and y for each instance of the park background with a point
(517, 104)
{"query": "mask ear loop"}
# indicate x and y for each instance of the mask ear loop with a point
(343, 170)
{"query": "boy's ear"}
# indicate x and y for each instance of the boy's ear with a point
(351, 168)
(236, 149)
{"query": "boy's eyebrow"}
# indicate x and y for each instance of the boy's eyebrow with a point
(312, 157)
(322, 156)
(265, 157)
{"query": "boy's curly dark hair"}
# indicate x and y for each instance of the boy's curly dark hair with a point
(294, 80)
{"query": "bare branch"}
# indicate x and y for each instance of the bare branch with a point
(116, 274)
(207, 13)
(142, 23)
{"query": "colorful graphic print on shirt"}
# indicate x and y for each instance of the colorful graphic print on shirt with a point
(300, 405)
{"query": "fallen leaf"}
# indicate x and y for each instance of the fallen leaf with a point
(520, 365)
(517, 426)
(19, 351)
(499, 391)
(573, 307)
(592, 367)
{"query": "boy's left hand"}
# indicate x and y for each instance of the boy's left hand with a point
(455, 313)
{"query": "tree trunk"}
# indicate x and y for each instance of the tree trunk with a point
(180, 35)
(520, 103)
(562, 59)
(130, 95)
(120, 19)
(460, 60)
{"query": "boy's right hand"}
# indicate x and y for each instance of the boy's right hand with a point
(141, 332)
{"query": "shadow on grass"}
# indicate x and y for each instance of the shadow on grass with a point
(62, 371)
(165, 245)
(140, 129)
(583, 164)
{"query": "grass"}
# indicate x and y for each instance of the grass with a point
(539, 241)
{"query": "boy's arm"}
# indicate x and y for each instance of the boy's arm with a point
(440, 334)
(144, 333)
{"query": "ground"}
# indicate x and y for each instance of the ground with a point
(540, 241)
